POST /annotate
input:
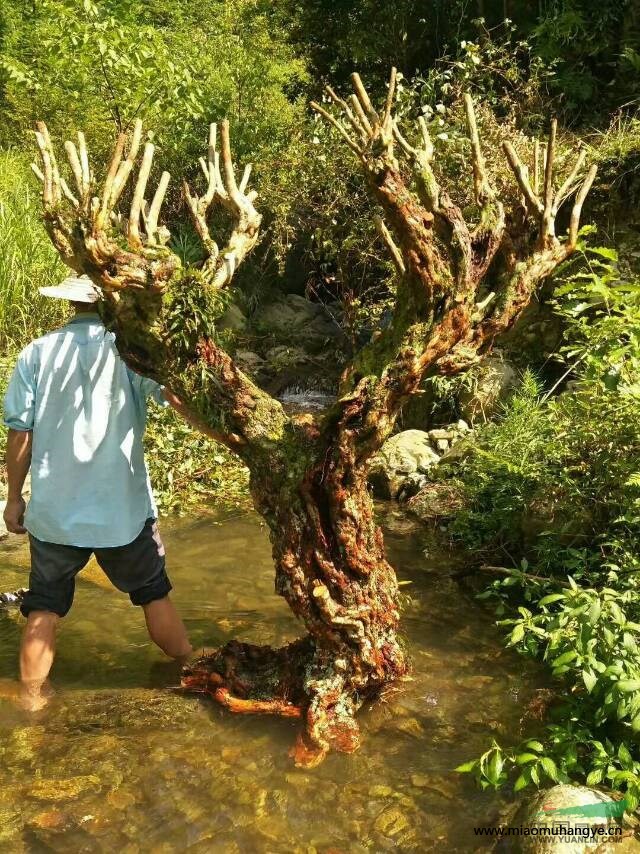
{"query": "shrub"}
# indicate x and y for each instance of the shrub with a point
(27, 258)
(571, 595)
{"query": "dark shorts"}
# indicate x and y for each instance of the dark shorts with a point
(137, 569)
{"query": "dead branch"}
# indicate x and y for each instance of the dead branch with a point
(222, 189)
(86, 227)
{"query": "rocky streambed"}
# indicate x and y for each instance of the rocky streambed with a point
(120, 762)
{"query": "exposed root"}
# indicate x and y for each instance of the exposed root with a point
(305, 754)
(296, 681)
(255, 707)
(246, 678)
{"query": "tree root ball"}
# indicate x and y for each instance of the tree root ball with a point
(250, 679)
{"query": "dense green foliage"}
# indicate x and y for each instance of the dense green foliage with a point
(80, 64)
(590, 48)
(553, 489)
(27, 258)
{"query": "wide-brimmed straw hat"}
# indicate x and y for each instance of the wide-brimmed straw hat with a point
(74, 288)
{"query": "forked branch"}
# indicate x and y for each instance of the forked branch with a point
(545, 209)
(462, 284)
(222, 189)
(129, 251)
(86, 227)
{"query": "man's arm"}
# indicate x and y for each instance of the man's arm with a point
(183, 410)
(18, 463)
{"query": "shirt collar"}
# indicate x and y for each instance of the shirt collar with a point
(86, 317)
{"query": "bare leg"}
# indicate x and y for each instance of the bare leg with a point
(36, 657)
(166, 629)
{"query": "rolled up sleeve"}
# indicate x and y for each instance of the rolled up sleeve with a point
(147, 388)
(20, 398)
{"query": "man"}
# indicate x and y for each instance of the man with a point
(76, 416)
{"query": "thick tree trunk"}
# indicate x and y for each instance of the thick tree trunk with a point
(331, 569)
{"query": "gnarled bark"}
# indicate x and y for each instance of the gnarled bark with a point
(458, 287)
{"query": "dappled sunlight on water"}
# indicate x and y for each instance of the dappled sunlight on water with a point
(119, 763)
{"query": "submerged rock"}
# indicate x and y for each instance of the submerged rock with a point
(391, 821)
(63, 790)
(436, 501)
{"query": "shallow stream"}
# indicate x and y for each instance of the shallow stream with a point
(118, 763)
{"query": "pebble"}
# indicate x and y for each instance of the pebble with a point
(391, 821)
(63, 790)
(121, 799)
(410, 726)
(50, 820)
(380, 791)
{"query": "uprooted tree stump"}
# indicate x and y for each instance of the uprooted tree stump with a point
(458, 287)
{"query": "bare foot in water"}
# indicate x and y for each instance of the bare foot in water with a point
(29, 697)
(34, 696)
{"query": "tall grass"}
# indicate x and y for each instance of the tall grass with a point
(27, 258)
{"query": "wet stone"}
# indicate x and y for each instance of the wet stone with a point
(121, 799)
(298, 779)
(380, 792)
(391, 821)
(62, 790)
(50, 820)
(411, 727)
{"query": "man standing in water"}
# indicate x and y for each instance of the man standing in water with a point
(76, 416)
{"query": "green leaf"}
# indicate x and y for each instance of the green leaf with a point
(604, 252)
(532, 744)
(550, 768)
(466, 767)
(517, 634)
(627, 686)
(594, 612)
(594, 777)
(565, 658)
(552, 597)
(590, 679)
(524, 758)
(495, 768)
(625, 757)
(624, 777)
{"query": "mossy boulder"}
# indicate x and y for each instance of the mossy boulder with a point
(401, 464)
(487, 386)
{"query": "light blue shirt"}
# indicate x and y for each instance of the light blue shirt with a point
(87, 411)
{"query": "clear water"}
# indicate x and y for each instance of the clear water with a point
(119, 763)
(298, 399)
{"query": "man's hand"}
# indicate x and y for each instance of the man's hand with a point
(14, 515)
(19, 444)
